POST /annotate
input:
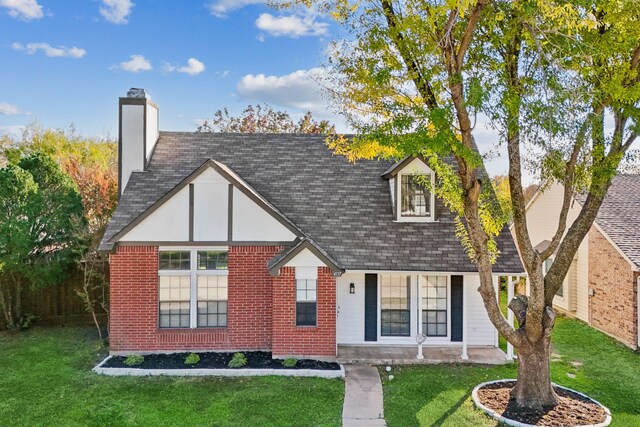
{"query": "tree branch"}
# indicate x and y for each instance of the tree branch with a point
(465, 41)
(422, 85)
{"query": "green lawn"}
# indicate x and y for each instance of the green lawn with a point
(45, 380)
(439, 395)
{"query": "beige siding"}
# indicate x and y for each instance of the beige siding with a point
(542, 219)
(582, 282)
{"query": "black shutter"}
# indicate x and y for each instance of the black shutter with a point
(371, 307)
(456, 308)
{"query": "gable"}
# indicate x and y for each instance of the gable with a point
(210, 206)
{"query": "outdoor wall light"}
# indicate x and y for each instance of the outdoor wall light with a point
(352, 288)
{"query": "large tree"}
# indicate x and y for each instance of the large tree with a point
(413, 77)
(263, 118)
(40, 214)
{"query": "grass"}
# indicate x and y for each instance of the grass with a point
(45, 379)
(439, 395)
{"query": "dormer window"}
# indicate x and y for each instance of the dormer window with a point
(410, 184)
(415, 197)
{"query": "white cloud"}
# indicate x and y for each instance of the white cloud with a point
(298, 89)
(292, 26)
(136, 64)
(221, 8)
(116, 11)
(23, 9)
(9, 109)
(193, 67)
(50, 51)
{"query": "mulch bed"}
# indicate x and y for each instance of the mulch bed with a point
(215, 360)
(573, 409)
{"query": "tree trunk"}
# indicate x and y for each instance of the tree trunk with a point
(6, 308)
(533, 389)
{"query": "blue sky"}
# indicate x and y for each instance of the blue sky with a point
(68, 61)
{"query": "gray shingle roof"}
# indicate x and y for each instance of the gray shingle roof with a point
(619, 215)
(345, 208)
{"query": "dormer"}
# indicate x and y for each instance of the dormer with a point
(412, 200)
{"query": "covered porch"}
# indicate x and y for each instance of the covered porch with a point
(407, 355)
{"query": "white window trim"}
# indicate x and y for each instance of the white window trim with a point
(193, 273)
(306, 273)
(398, 197)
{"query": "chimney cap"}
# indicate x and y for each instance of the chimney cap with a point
(135, 92)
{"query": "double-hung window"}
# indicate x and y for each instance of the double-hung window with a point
(306, 296)
(434, 305)
(193, 288)
(395, 305)
(545, 269)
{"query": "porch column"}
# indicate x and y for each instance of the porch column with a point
(420, 332)
(510, 285)
(464, 355)
(496, 288)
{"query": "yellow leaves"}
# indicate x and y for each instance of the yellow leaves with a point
(359, 148)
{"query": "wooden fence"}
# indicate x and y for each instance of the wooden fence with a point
(56, 304)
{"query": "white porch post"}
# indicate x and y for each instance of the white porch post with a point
(420, 340)
(496, 287)
(464, 355)
(510, 285)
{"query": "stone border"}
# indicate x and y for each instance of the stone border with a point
(136, 372)
(510, 422)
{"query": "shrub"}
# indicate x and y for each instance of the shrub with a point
(192, 359)
(289, 362)
(238, 361)
(134, 360)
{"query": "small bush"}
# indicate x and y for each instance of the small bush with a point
(289, 362)
(238, 361)
(134, 360)
(192, 359)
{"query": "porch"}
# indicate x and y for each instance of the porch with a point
(406, 355)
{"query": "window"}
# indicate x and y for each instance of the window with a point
(306, 302)
(434, 305)
(212, 260)
(175, 297)
(545, 269)
(175, 260)
(415, 198)
(395, 312)
(193, 288)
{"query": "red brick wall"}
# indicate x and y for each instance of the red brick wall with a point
(134, 304)
(291, 340)
(613, 304)
(253, 296)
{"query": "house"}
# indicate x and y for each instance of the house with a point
(271, 242)
(601, 287)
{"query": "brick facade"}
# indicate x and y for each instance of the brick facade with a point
(292, 340)
(613, 305)
(253, 296)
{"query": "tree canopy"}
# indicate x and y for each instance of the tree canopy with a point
(40, 213)
(263, 118)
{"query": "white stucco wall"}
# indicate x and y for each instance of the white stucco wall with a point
(210, 207)
(305, 258)
(132, 141)
(169, 223)
(252, 223)
(152, 129)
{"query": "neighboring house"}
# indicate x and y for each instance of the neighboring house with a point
(601, 287)
(271, 242)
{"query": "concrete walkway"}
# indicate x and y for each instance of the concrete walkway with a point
(362, 398)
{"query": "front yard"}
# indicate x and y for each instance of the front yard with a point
(588, 361)
(45, 379)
